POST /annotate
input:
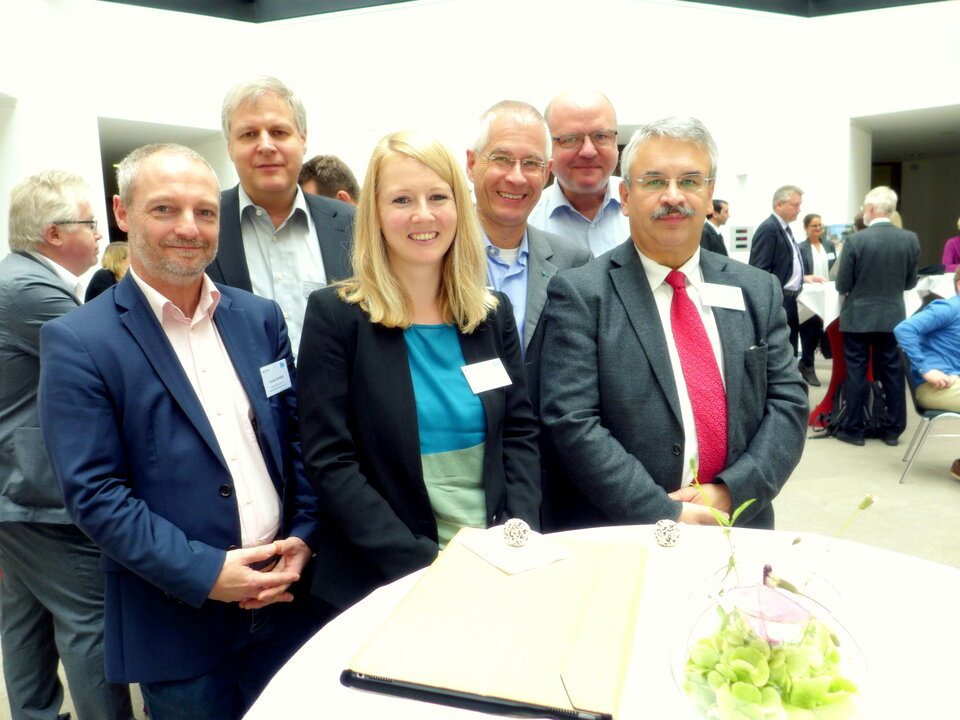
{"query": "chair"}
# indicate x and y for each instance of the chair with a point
(927, 419)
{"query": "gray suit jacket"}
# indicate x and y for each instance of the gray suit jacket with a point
(30, 294)
(549, 254)
(610, 404)
(876, 266)
(334, 223)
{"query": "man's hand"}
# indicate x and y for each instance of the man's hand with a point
(693, 514)
(294, 555)
(814, 279)
(695, 510)
(237, 582)
(938, 379)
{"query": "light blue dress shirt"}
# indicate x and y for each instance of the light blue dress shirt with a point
(510, 279)
(609, 228)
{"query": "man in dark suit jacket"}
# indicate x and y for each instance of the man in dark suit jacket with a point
(710, 238)
(275, 240)
(508, 165)
(775, 250)
(168, 409)
(616, 396)
(52, 589)
(876, 266)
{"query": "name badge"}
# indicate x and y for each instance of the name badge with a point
(831, 256)
(486, 375)
(724, 296)
(276, 377)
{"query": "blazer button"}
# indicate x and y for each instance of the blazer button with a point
(226, 491)
(676, 449)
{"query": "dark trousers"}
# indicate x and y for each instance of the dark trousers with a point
(857, 348)
(810, 333)
(793, 319)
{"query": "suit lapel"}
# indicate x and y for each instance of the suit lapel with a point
(633, 290)
(137, 316)
(234, 327)
(331, 235)
(732, 330)
(539, 272)
(231, 259)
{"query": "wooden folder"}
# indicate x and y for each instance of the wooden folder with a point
(551, 642)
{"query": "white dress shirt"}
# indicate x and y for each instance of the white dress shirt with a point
(663, 296)
(208, 366)
(554, 213)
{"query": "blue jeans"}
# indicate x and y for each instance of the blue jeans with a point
(272, 636)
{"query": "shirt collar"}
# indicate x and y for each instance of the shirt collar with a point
(162, 306)
(556, 198)
(657, 273)
(880, 220)
(299, 203)
(71, 280)
(494, 250)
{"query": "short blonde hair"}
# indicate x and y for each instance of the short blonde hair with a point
(51, 196)
(114, 256)
(463, 296)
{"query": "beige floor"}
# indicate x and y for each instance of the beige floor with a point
(917, 518)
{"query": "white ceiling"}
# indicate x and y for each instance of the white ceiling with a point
(118, 137)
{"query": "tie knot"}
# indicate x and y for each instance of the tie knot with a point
(677, 280)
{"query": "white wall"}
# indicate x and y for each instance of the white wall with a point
(778, 92)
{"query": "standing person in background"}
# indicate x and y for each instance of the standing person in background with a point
(710, 238)
(331, 177)
(876, 267)
(818, 256)
(951, 252)
(775, 250)
(51, 592)
(115, 263)
(414, 413)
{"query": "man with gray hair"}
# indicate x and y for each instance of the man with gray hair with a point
(51, 594)
(775, 250)
(508, 166)
(168, 408)
(659, 358)
(583, 205)
(877, 265)
(275, 240)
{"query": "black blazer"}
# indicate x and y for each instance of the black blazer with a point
(710, 239)
(332, 219)
(771, 249)
(806, 255)
(361, 444)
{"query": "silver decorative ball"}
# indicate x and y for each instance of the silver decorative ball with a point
(516, 532)
(666, 532)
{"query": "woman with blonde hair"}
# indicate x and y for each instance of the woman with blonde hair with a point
(414, 414)
(115, 263)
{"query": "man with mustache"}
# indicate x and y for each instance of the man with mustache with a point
(658, 356)
(168, 410)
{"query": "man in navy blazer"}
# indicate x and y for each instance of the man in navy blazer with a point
(616, 398)
(276, 240)
(168, 409)
(775, 250)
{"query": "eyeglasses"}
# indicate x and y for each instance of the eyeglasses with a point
(91, 223)
(528, 166)
(574, 141)
(692, 183)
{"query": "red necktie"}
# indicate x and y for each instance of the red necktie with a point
(702, 376)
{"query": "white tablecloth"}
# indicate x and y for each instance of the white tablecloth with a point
(901, 610)
(822, 298)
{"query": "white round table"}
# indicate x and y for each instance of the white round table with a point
(902, 611)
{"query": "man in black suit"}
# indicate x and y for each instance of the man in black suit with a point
(775, 250)
(710, 237)
(876, 266)
(276, 240)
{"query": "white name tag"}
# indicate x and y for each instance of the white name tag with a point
(725, 296)
(831, 256)
(486, 375)
(276, 377)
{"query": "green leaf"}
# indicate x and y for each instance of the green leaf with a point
(747, 694)
(743, 506)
